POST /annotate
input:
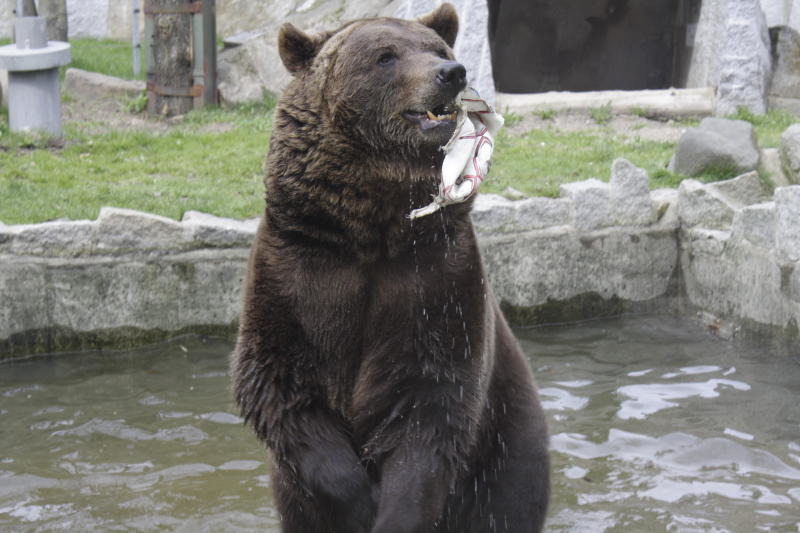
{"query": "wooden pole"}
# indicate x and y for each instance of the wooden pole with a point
(170, 90)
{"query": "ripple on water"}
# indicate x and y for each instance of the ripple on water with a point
(119, 429)
(650, 433)
(650, 398)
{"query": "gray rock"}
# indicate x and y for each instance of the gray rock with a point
(51, 239)
(4, 88)
(665, 207)
(745, 63)
(708, 242)
(787, 201)
(123, 230)
(494, 214)
(514, 194)
(770, 166)
(99, 85)
(786, 63)
(472, 45)
(210, 230)
(700, 205)
(630, 194)
(491, 212)
(249, 71)
(558, 264)
(539, 213)
(781, 13)
(246, 72)
(717, 144)
(756, 225)
(790, 105)
(790, 153)
(590, 203)
(740, 191)
(794, 285)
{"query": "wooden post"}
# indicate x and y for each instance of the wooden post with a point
(169, 84)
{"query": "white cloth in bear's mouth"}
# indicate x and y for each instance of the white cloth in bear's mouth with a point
(468, 153)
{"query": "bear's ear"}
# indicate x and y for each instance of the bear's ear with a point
(298, 49)
(444, 21)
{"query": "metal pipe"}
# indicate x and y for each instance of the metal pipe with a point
(19, 8)
(209, 53)
(135, 38)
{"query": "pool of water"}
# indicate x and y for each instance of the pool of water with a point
(655, 427)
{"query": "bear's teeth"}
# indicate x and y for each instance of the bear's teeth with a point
(451, 116)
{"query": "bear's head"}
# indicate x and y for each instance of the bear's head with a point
(388, 84)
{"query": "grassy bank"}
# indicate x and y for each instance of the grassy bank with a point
(212, 160)
(537, 162)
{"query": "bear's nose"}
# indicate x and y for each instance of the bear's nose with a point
(452, 75)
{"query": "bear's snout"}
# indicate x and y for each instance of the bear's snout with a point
(452, 76)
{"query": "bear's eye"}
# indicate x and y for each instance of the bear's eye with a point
(386, 59)
(442, 54)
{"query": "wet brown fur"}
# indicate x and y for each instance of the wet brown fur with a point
(372, 357)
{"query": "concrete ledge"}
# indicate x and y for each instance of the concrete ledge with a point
(100, 85)
(660, 102)
(131, 277)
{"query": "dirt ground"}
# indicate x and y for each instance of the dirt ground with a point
(111, 113)
(631, 126)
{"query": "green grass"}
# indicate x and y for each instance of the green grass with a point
(538, 161)
(106, 56)
(546, 114)
(602, 115)
(769, 126)
(212, 161)
(191, 166)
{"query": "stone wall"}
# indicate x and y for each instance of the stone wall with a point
(599, 249)
(123, 279)
(740, 253)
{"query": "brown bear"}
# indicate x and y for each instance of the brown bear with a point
(372, 357)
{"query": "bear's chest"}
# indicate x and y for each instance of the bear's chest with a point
(377, 325)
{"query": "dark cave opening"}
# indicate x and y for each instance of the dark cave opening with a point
(589, 45)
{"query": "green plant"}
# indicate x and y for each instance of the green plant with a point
(602, 115)
(768, 126)
(639, 112)
(511, 119)
(138, 104)
(546, 114)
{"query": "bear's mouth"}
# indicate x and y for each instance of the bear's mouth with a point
(441, 115)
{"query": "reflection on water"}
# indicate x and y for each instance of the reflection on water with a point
(658, 427)
(145, 440)
(655, 427)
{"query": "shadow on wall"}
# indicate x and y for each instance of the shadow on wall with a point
(585, 45)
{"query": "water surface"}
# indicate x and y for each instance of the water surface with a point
(655, 426)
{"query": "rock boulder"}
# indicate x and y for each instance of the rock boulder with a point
(790, 153)
(717, 144)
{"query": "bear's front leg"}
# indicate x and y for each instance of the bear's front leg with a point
(321, 485)
(414, 486)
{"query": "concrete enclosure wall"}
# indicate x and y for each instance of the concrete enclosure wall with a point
(601, 248)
